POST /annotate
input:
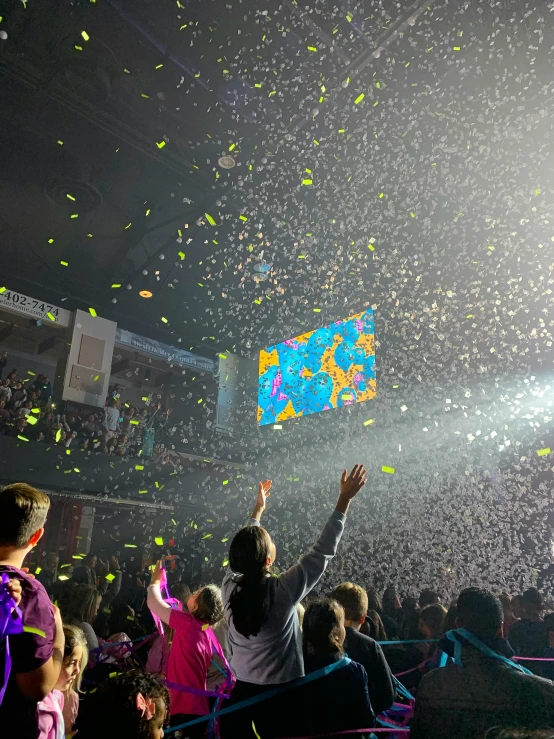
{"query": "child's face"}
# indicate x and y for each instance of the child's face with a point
(191, 603)
(71, 667)
(157, 723)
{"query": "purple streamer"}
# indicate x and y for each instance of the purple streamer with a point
(11, 623)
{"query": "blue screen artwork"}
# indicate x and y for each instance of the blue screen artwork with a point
(323, 369)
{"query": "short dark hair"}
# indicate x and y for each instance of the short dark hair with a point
(209, 606)
(23, 511)
(480, 612)
(428, 598)
(353, 599)
(532, 600)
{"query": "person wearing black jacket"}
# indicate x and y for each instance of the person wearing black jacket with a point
(363, 649)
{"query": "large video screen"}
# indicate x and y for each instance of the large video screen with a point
(323, 369)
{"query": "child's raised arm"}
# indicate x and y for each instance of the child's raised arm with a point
(154, 599)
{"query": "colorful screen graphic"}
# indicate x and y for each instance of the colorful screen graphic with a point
(323, 369)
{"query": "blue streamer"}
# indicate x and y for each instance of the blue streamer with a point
(264, 696)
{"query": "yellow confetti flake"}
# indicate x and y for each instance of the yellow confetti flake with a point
(110, 577)
(159, 541)
(307, 182)
(243, 218)
(139, 467)
(32, 420)
(543, 452)
(85, 36)
(51, 316)
(210, 220)
(92, 312)
(64, 264)
(317, 310)
(74, 215)
(388, 470)
(207, 536)
(33, 629)
(225, 563)
(160, 144)
(359, 98)
(164, 320)
(22, 438)
(368, 423)
(116, 285)
(58, 434)
(181, 254)
(312, 48)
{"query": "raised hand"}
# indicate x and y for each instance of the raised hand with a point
(263, 494)
(351, 485)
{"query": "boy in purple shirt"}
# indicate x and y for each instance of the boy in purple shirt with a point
(37, 654)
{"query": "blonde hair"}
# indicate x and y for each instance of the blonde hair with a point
(74, 637)
(353, 599)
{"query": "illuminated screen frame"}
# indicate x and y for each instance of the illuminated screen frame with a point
(321, 370)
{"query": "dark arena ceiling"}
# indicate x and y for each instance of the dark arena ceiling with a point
(388, 154)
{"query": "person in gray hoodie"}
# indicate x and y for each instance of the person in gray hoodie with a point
(264, 631)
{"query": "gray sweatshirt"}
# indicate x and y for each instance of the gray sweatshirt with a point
(274, 655)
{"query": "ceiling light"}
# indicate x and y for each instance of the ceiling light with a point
(145, 294)
(226, 162)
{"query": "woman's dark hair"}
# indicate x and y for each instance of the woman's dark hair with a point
(209, 606)
(111, 711)
(321, 627)
(433, 617)
(373, 601)
(389, 602)
(82, 605)
(248, 557)
(451, 616)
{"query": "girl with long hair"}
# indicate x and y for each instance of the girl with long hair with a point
(264, 631)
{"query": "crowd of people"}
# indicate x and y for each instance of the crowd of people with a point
(122, 429)
(100, 654)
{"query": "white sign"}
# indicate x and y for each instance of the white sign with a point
(18, 303)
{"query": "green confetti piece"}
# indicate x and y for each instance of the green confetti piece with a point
(64, 264)
(200, 401)
(158, 66)
(128, 226)
(35, 410)
(31, 420)
(164, 320)
(143, 492)
(225, 563)
(116, 285)
(67, 195)
(457, 48)
(210, 220)
(181, 254)
(130, 546)
(159, 541)
(233, 146)
(307, 182)
(92, 312)
(110, 577)
(388, 470)
(139, 467)
(23, 438)
(368, 423)
(60, 143)
(160, 144)
(33, 629)
(312, 48)
(543, 452)
(174, 522)
(58, 435)
(207, 536)
(224, 540)
(359, 99)
(74, 215)
(38, 570)
(225, 482)
(85, 35)
(243, 218)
